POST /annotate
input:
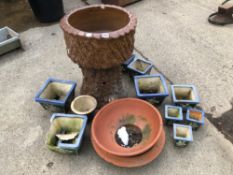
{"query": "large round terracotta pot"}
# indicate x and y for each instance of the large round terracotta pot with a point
(99, 38)
(126, 112)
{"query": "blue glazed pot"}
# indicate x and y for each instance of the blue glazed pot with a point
(182, 141)
(173, 114)
(139, 67)
(151, 87)
(56, 95)
(127, 62)
(70, 122)
(197, 121)
(185, 96)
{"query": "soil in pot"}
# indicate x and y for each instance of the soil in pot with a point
(150, 85)
(173, 112)
(195, 115)
(140, 65)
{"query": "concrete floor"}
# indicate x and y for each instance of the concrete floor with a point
(176, 37)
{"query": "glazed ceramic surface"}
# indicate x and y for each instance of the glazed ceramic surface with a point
(128, 111)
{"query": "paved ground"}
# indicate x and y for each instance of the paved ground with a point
(176, 37)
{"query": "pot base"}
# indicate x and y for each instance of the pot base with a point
(135, 161)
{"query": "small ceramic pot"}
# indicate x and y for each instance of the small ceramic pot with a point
(9, 40)
(195, 118)
(84, 105)
(151, 87)
(127, 62)
(139, 67)
(56, 95)
(173, 114)
(185, 96)
(182, 134)
(66, 123)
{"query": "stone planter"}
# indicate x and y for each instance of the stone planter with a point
(173, 114)
(195, 118)
(9, 40)
(182, 135)
(56, 95)
(151, 87)
(84, 105)
(119, 2)
(62, 126)
(185, 96)
(139, 67)
(99, 38)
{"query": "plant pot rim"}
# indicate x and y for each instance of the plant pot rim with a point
(54, 102)
(86, 112)
(131, 26)
(139, 94)
(188, 139)
(202, 121)
(128, 153)
(180, 118)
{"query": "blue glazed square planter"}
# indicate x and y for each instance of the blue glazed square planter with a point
(195, 118)
(127, 62)
(151, 87)
(139, 67)
(56, 95)
(173, 114)
(182, 134)
(185, 96)
(68, 123)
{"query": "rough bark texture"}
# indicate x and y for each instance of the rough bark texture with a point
(104, 84)
(99, 53)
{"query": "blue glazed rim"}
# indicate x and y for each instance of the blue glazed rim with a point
(202, 121)
(141, 72)
(128, 61)
(78, 140)
(54, 102)
(185, 101)
(189, 139)
(180, 118)
(139, 94)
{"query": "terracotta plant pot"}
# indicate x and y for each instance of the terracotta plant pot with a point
(195, 118)
(125, 114)
(99, 38)
(151, 87)
(173, 114)
(66, 123)
(84, 105)
(182, 134)
(185, 96)
(56, 95)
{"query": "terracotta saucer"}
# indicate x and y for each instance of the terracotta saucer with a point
(135, 161)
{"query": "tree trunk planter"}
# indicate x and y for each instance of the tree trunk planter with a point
(59, 137)
(99, 38)
(182, 135)
(195, 118)
(9, 40)
(173, 114)
(139, 67)
(84, 105)
(185, 96)
(56, 95)
(119, 2)
(151, 87)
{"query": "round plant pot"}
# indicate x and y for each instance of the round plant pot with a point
(47, 10)
(84, 105)
(99, 38)
(122, 113)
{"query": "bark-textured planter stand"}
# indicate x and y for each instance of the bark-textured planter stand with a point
(139, 67)
(99, 38)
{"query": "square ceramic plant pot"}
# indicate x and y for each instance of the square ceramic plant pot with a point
(139, 67)
(195, 118)
(151, 87)
(182, 134)
(126, 63)
(56, 95)
(9, 40)
(185, 96)
(173, 114)
(61, 138)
